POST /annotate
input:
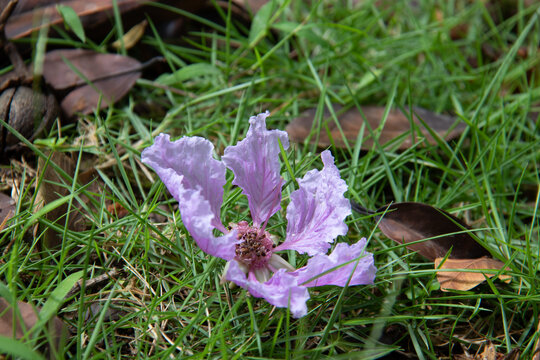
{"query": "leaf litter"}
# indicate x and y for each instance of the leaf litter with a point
(404, 135)
(377, 129)
(436, 235)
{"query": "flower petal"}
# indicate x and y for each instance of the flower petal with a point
(195, 179)
(282, 290)
(364, 272)
(317, 210)
(255, 164)
(197, 218)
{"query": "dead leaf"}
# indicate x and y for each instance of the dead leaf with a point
(117, 209)
(7, 209)
(111, 75)
(397, 124)
(252, 5)
(409, 222)
(92, 65)
(15, 324)
(30, 16)
(132, 37)
(53, 187)
(85, 99)
(28, 318)
(461, 280)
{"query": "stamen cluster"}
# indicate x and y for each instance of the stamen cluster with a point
(255, 248)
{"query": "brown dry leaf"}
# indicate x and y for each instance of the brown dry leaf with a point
(51, 190)
(92, 65)
(53, 187)
(397, 124)
(15, 324)
(252, 5)
(111, 75)
(86, 99)
(489, 353)
(409, 222)
(28, 318)
(7, 209)
(118, 210)
(30, 16)
(460, 280)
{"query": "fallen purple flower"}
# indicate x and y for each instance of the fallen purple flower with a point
(315, 214)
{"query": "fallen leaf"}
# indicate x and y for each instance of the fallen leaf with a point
(111, 77)
(7, 209)
(251, 5)
(26, 318)
(409, 222)
(464, 280)
(55, 187)
(57, 67)
(85, 99)
(397, 124)
(15, 324)
(30, 16)
(117, 209)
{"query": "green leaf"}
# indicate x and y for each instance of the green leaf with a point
(17, 349)
(286, 27)
(72, 21)
(260, 23)
(189, 72)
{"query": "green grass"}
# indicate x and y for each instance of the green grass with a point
(165, 299)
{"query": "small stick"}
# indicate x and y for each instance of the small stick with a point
(92, 282)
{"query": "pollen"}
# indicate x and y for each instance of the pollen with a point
(255, 247)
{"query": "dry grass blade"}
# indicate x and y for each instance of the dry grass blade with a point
(464, 280)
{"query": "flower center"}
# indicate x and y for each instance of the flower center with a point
(255, 248)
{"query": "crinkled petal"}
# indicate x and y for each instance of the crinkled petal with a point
(197, 218)
(195, 179)
(364, 269)
(282, 290)
(255, 164)
(317, 210)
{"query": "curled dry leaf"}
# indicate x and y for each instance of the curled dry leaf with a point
(464, 280)
(397, 124)
(410, 222)
(111, 77)
(132, 37)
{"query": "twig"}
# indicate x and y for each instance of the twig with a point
(92, 282)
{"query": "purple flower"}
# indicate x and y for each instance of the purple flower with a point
(315, 214)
